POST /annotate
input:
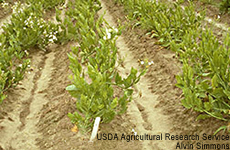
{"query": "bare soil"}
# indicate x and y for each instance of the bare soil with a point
(34, 116)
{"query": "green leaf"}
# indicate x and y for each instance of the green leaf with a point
(207, 106)
(161, 40)
(133, 71)
(218, 93)
(227, 93)
(101, 106)
(221, 128)
(214, 81)
(114, 103)
(129, 92)
(202, 116)
(94, 108)
(71, 88)
(118, 79)
(206, 74)
(128, 82)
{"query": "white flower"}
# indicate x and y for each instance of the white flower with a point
(209, 20)
(218, 16)
(13, 78)
(28, 66)
(109, 35)
(150, 63)
(115, 29)
(110, 30)
(26, 52)
(5, 4)
(54, 38)
(0, 44)
(51, 40)
(142, 62)
(24, 28)
(20, 65)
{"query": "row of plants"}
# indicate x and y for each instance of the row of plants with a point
(99, 89)
(26, 30)
(206, 60)
(161, 21)
(206, 76)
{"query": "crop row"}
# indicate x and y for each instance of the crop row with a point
(206, 75)
(95, 79)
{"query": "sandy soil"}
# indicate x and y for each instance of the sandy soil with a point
(34, 116)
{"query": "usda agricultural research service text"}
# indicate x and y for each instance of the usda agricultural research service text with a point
(184, 141)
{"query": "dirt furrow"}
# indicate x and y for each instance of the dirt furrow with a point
(141, 110)
(20, 132)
